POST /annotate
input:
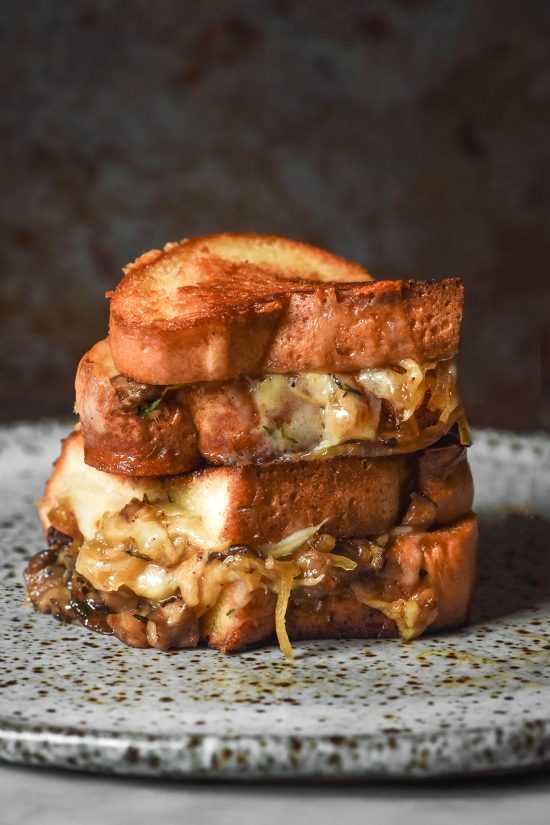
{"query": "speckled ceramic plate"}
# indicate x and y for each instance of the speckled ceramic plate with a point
(470, 701)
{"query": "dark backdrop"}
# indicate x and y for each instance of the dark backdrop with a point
(412, 135)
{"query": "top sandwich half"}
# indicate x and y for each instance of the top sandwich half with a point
(237, 349)
(220, 306)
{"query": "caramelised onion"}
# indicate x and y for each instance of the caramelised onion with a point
(421, 512)
(46, 581)
(131, 394)
(130, 628)
(403, 389)
(172, 625)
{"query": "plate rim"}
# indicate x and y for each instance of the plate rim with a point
(73, 748)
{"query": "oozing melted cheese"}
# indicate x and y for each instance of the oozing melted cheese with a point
(145, 551)
(199, 502)
(316, 411)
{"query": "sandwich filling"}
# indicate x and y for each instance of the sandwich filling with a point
(151, 577)
(277, 416)
(150, 430)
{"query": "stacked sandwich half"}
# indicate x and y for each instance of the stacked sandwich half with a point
(270, 444)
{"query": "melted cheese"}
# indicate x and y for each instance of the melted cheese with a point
(199, 503)
(315, 411)
(412, 614)
(142, 549)
(157, 550)
(88, 493)
(404, 390)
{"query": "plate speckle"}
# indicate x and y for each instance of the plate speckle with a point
(468, 701)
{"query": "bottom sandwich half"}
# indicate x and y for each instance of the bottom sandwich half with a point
(347, 547)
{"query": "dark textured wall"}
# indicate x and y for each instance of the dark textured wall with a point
(412, 135)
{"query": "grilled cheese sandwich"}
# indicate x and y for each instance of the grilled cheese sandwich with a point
(270, 443)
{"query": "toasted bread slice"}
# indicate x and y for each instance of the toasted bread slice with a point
(162, 443)
(246, 420)
(446, 555)
(219, 306)
(256, 504)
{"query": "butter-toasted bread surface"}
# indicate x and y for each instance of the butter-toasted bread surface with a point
(351, 496)
(139, 445)
(219, 306)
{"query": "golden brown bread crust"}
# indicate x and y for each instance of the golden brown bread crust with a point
(368, 325)
(240, 439)
(118, 442)
(189, 314)
(340, 616)
(222, 272)
(353, 496)
(229, 629)
(448, 554)
(358, 496)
